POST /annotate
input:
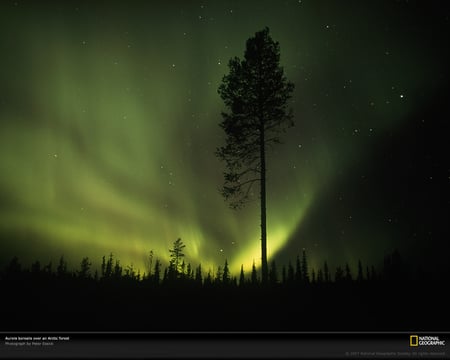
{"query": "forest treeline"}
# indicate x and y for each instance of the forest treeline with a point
(179, 273)
(180, 297)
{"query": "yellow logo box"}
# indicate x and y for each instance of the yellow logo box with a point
(413, 340)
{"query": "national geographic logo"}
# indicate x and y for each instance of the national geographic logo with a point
(416, 340)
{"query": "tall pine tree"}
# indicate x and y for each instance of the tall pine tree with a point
(256, 92)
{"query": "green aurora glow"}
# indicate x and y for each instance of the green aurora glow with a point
(109, 123)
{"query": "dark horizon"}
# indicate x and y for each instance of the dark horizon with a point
(171, 300)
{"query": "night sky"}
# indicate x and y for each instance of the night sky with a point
(109, 118)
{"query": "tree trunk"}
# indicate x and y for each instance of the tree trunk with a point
(264, 267)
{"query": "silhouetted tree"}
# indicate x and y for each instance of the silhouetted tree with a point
(319, 276)
(176, 256)
(242, 277)
(326, 272)
(149, 263)
(118, 270)
(218, 278)
(273, 276)
(157, 272)
(128, 272)
(226, 274)
(85, 268)
(208, 279)
(254, 277)
(49, 267)
(256, 92)
(339, 275)
(283, 275)
(348, 273)
(198, 275)
(189, 274)
(103, 266)
(61, 270)
(109, 266)
(182, 271)
(14, 268)
(313, 276)
(305, 274)
(290, 273)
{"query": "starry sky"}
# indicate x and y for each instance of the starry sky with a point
(109, 118)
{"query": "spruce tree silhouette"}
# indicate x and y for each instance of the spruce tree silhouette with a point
(226, 274)
(319, 276)
(149, 263)
(109, 267)
(189, 274)
(256, 92)
(290, 273)
(157, 272)
(242, 276)
(348, 273)
(208, 281)
(62, 267)
(176, 256)
(198, 275)
(182, 273)
(49, 267)
(117, 273)
(254, 277)
(103, 266)
(218, 278)
(273, 276)
(305, 274)
(85, 268)
(326, 272)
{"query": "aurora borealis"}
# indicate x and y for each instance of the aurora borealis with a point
(109, 118)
